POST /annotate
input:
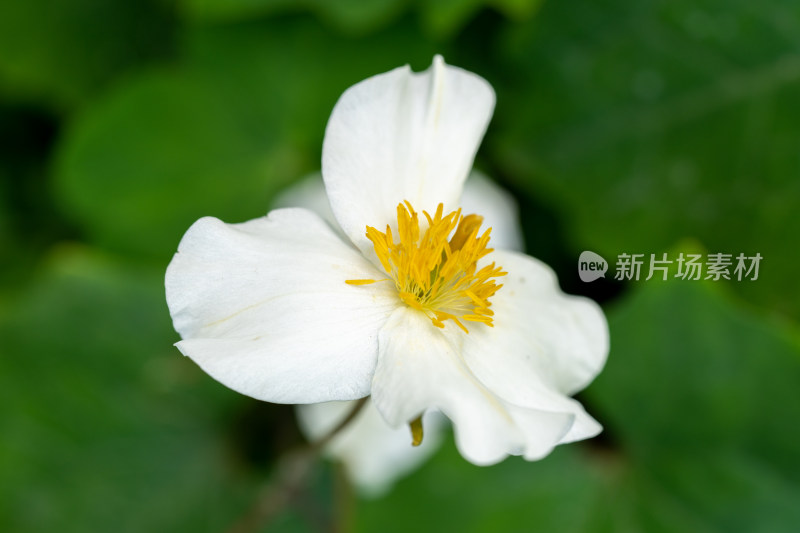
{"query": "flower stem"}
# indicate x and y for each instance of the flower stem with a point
(319, 444)
(291, 475)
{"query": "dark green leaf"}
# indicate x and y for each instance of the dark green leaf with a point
(698, 399)
(105, 426)
(64, 52)
(650, 123)
(357, 16)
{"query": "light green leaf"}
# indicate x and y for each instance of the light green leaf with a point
(141, 166)
(218, 136)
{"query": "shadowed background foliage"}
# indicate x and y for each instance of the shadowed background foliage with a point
(620, 127)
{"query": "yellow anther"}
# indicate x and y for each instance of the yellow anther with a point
(434, 275)
(467, 228)
(416, 431)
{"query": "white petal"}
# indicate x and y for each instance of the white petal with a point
(501, 363)
(562, 339)
(308, 193)
(402, 136)
(419, 368)
(499, 210)
(263, 307)
(481, 196)
(374, 454)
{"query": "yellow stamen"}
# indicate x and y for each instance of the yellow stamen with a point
(416, 431)
(434, 275)
(469, 224)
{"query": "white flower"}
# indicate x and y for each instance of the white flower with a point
(415, 310)
(373, 454)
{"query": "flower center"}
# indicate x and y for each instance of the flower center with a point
(435, 275)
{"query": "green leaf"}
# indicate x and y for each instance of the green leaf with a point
(698, 400)
(646, 124)
(62, 53)
(163, 151)
(444, 18)
(717, 380)
(517, 9)
(356, 16)
(552, 495)
(701, 396)
(218, 136)
(440, 18)
(105, 426)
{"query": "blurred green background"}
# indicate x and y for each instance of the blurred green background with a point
(621, 127)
